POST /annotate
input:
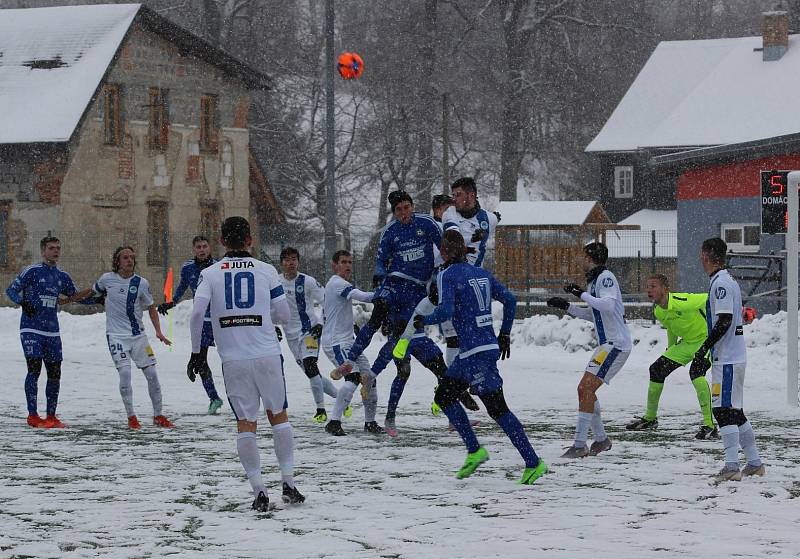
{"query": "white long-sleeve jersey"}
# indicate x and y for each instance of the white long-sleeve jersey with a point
(605, 310)
(337, 311)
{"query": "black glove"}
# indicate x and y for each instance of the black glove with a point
(376, 280)
(700, 363)
(558, 302)
(100, 300)
(574, 289)
(385, 328)
(356, 329)
(28, 308)
(279, 334)
(163, 308)
(504, 341)
(498, 216)
(195, 366)
(478, 235)
(419, 322)
(316, 331)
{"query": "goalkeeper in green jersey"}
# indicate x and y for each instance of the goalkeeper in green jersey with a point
(684, 317)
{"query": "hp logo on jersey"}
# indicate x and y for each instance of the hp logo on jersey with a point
(720, 292)
(420, 233)
(133, 289)
(608, 282)
(485, 225)
(299, 289)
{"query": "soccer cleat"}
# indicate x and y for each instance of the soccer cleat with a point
(291, 496)
(750, 470)
(162, 421)
(334, 427)
(214, 406)
(261, 504)
(348, 411)
(342, 370)
(530, 475)
(321, 416)
(35, 421)
(599, 446)
(728, 474)
(474, 459)
(435, 409)
(576, 452)
(133, 422)
(400, 348)
(705, 433)
(641, 424)
(390, 427)
(468, 401)
(374, 428)
(52, 422)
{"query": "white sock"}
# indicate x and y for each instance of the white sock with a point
(371, 403)
(329, 388)
(582, 428)
(317, 390)
(283, 440)
(153, 387)
(343, 400)
(251, 461)
(730, 439)
(125, 387)
(747, 440)
(597, 423)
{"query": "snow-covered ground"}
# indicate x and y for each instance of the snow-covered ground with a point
(99, 490)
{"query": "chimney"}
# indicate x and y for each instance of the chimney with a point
(775, 33)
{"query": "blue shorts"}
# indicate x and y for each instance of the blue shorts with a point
(37, 346)
(402, 297)
(207, 337)
(479, 371)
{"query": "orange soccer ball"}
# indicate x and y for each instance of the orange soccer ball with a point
(350, 65)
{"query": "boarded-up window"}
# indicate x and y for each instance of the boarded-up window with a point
(112, 114)
(5, 210)
(208, 123)
(158, 129)
(209, 221)
(157, 233)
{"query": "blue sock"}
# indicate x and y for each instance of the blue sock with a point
(208, 384)
(513, 428)
(458, 417)
(31, 390)
(361, 342)
(51, 392)
(398, 385)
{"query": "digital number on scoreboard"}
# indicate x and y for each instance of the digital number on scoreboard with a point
(774, 202)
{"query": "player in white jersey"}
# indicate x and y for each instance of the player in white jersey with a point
(466, 216)
(246, 300)
(728, 360)
(607, 312)
(304, 327)
(127, 295)
(337, 338)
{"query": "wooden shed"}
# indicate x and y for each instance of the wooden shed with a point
(538, 244)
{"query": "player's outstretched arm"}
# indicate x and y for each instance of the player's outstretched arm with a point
(151, 310)
(360, 296)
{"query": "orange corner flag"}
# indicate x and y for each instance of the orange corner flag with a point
(168, 286)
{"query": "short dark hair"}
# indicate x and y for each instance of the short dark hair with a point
(398, 196)
(338, 254)
(235, 231)
(440, 200)
(289, 251)
(199, 239)
(115, 257)
(453, 243)
(716, 249)
(465, 183)
(661, 278)
(597, 251)
(48, 239)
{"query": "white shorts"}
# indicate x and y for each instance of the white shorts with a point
(727, 385)
(338, 354)
(302, 347)
(126, 348)
(606, 362)
(251, 382)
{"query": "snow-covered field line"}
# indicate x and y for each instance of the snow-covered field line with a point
(99, 490)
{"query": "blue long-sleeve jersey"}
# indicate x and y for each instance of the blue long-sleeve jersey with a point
(406, 251)
(190, 276)
(40, 285)
(465, 297)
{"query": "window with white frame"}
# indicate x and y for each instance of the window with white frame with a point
(623, 181)
(742, 237)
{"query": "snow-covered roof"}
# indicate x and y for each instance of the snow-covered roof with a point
(630, 244)
(653, 219)
(545, 212)
(706, 93)
(51, 62)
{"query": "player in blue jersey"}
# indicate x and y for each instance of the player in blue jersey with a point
(39, 289)
(465, 297)
(190, 274)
